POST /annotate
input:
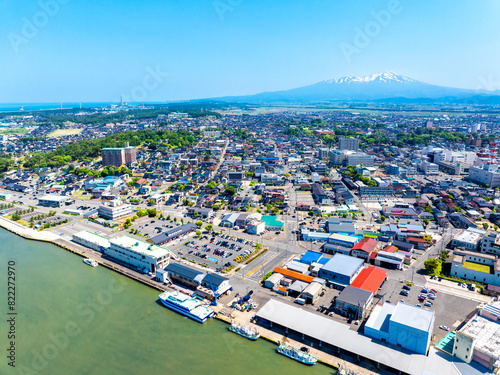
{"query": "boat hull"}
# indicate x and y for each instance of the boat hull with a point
(181, 311)
(309, 360)
(253, 338)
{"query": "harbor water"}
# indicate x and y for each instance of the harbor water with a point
(75, 319)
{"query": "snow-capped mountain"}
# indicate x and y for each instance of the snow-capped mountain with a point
(380, 77)
(387, 86)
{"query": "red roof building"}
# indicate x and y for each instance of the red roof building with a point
(391, 249)
(364, 248)
(370, 279)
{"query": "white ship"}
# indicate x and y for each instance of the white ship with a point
(90, 262)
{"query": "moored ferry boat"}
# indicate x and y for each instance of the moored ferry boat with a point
(186, 305)
(244, 331)
(298, 355)
(91, 262)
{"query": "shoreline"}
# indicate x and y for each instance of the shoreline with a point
(324, 358)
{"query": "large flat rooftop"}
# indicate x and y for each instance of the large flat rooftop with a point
(486, 333)
(140, 246)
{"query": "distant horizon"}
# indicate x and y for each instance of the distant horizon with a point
(153, 102)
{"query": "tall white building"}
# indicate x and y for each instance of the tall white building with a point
(429, 168)
(348, 144)
(486, 174)
(115, 210)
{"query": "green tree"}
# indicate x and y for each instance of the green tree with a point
(230, 190)
(426, 222)
(199, 223)
(382, 218)
(209, 227)
(486, 226)
(433, 266)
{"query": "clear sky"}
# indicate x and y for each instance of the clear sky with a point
(160, 50)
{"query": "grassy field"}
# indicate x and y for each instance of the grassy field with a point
(14, 130)
(477, 267)
(64, 132)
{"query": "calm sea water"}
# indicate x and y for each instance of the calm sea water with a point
(74, 319)
(14, 107)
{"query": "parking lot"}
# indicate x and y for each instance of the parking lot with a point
(213, 250)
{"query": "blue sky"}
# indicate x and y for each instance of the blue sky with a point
(96, 50)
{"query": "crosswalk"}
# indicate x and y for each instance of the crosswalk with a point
(259, 274)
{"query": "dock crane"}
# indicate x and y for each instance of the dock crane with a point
(216, 294)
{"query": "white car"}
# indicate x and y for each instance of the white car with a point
(444, 328)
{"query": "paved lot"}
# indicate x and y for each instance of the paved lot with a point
(215, 251)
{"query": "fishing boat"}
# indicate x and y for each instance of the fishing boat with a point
(186, 305)
(298, 355)
(91, 262)
(244, 331)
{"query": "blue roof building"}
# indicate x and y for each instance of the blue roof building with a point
(403, 324)
(311, 257)
(341, 270)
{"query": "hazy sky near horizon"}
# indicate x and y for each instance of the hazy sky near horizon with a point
(160, 50)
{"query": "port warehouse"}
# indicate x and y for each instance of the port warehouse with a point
(338, 338)
(206, 285)
(139, 254)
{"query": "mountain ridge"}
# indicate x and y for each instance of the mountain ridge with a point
(375, 87)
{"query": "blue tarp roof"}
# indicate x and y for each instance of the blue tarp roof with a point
(310, 257)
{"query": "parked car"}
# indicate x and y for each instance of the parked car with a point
(444, 328)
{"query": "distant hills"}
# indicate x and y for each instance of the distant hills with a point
(382, 87)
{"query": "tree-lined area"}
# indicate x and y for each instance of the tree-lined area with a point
(91, 148)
